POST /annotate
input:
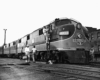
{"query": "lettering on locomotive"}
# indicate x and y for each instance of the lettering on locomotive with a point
(79, 39)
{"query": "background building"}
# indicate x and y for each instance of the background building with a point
(94, 37)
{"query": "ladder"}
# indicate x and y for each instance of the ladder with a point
(48, 43)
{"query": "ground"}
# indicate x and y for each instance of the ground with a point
(15, 69)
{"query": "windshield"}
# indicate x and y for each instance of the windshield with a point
(62, 22)
(66, 31)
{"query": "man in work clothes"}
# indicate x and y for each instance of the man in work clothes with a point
(92, 53)
(33, 53)
(45, 32)
(27, 53)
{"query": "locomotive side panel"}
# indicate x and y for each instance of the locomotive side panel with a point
(12, 48)
(21, 44)
(6, 50)
(32, 40)
(34, 35)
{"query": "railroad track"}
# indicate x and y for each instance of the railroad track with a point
(84, 72)
(65, 70)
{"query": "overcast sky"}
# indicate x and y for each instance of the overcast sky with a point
(21, 17)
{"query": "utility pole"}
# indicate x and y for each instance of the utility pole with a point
(5, 36)
(4, 39)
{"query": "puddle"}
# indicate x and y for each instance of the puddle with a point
(24, 64)
(6, 65)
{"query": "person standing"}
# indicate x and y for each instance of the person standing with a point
(45, 32)
(92, 53)
(27, 53)
(33, 53)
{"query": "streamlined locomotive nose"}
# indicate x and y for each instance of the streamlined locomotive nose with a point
(79, 39)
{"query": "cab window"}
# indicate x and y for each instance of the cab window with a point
(28, 37)
(62, 22)
(20, 41)
(40, 31)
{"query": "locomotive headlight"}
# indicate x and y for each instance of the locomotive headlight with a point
(64, 33)
(79, 26)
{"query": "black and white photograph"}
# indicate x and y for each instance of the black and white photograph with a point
(49, 40)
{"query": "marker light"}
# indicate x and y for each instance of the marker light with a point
(79, 26)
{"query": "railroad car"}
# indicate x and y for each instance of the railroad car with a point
(14, 49)
(6, 50)
(68, 42)
(2, 51)
(21, 43)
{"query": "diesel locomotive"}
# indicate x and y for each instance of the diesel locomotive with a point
(68, 42)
